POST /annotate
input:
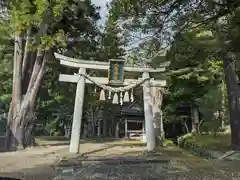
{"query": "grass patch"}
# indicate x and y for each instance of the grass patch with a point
(51, 138)
(128, 143)
(51, 141)
(98, 140)
(60, 140)
(174, 155)
(220, 142)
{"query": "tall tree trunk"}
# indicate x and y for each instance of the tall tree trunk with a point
(223, 112)
(15, 131)
(94, 113)
(106, 119)
(194, 119)
(28, 61)
(186, 126)
(21, 124)
(9, 121)
(233, 92)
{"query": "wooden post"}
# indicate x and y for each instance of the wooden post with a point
(194, 119)
(85, 130)
(126, 129)
(162, 133)
(93, 122)
(143, 127)
(117, 130)
(100, 121)
(99, 128)
(77, 116)
(150, 135)
(157, 111)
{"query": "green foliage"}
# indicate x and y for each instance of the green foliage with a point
(190, 87)
(210, 102)
(52, 24)
(57, 134)
(198, 35)
(212, 108)
(221, 142)
(56, 103)
(168, 143)
(211, 125)
(25, 13)
(182, 139)
(6, 51)
(111, 44)
(69, 27)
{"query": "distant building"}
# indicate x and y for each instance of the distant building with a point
(130, 120)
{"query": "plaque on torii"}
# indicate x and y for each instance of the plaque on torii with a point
(116, 71)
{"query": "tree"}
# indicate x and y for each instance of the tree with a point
(6, 51)
(191, 50)
(38, 27)
(163, 21)
(55, 106)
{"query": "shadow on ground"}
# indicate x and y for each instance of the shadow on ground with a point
(37, 173)
(62, 138)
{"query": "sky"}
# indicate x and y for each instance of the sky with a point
(103, 11)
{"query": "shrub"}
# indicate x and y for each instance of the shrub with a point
(168, 143)
(189, 143)
(182, 139)
(56, 133)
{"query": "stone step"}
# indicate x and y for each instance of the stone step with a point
(113, 161)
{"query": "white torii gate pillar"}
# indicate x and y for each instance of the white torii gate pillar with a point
(150, 134)
(78, 111)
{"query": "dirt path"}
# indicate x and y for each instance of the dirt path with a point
(37, 163)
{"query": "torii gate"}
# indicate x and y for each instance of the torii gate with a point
(82, 65)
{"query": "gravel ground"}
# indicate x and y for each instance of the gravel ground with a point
(145, 171)
(113, 161)
(167, 164)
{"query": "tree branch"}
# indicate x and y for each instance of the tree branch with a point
(39, 78)
(26, 57)
(36, 69)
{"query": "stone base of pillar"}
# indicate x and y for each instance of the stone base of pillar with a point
(144, 138)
